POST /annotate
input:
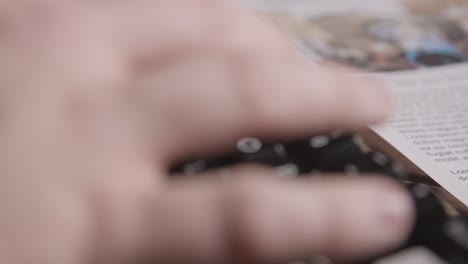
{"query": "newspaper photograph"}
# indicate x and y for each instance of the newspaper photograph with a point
(419, 48)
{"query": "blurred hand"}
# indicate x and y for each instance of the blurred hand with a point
(98, 98)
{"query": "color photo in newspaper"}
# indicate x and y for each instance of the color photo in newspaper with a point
(419, 47)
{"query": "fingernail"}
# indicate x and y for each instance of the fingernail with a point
(396, 207)
(394, 212)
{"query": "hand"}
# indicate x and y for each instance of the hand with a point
(98, 98)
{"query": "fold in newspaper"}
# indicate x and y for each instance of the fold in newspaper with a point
(420, 48)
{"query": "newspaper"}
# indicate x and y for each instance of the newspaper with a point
(420, 48)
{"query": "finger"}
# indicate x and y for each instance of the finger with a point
(154, 30)
(251, 81)
(265, 220)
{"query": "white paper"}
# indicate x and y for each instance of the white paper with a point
(430, 124)
(417, 255)
(323, 7)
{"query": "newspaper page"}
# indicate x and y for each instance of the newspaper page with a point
(420, 48)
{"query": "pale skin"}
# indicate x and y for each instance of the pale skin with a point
(98, 98)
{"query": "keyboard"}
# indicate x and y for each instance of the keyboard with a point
(438, 237)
